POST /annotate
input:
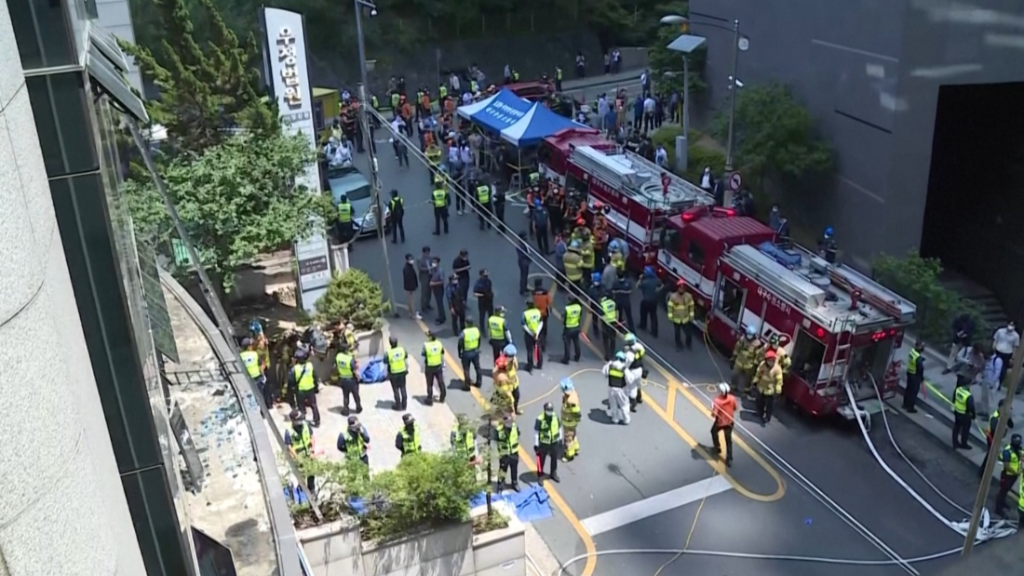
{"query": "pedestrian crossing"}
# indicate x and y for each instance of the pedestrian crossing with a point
(641, 509)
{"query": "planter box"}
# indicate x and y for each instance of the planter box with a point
(337, 550)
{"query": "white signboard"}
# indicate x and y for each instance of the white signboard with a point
(287, 75)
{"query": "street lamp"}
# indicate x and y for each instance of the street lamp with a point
(687, 44)
(370, 145)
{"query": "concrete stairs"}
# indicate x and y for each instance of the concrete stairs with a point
(982, 298)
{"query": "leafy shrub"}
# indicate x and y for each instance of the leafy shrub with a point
(352, 296)
(917, 279)
(701, 156)
(424, 491)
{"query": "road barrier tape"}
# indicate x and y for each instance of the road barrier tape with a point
(940, 395)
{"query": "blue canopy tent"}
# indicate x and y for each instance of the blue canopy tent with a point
(497, 112)
(538, 123)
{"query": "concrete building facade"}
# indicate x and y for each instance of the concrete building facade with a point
(870, 71)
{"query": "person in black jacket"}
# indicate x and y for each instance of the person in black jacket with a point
(410, 283)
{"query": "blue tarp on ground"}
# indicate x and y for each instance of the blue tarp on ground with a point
(497, 112)
(538, 123)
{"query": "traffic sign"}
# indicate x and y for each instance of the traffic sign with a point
(735, 181)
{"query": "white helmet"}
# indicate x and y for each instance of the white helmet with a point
(723, 388)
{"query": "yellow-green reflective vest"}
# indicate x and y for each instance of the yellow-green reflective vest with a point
(571, 263)
(573, 312)
(993, 421)
(395, 98)
(410, 442)
(442, 91)
(304, 376)
(354, 445)
(496, 327)
(616, 376)
(534, 178)
(345, 212)
(483, 194)
(345, 364)
(434, 351)
(548, 429)
(960, 397)
(532, 319)
(374, 102)
(1011, 462)
(912, 361)
(558, 73)
(440, 198)
(251, 360)
(462, 441)
(470, 339)
(302, 442)
(587, 256)
(473, 86)
(396, 360)
(608, 310)
(508, 440)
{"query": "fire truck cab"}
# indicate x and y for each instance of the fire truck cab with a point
(838, 326)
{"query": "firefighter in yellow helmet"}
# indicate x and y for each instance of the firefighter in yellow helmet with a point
(571, 417)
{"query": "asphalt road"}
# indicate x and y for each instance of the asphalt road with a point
(798, 487)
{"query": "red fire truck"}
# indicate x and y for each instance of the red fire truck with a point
(838, 326)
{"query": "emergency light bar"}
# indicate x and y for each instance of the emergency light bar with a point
(698, 212)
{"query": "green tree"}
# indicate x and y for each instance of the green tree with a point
(354, 297)
(774, 135)
(666, 65)
(207, 88)
(237, 199)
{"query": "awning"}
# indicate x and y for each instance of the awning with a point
(497, 112)
(107, 65)
(538, 123)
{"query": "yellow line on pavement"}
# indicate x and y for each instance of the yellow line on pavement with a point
(555, 388)
(553, 495)
(670, 404)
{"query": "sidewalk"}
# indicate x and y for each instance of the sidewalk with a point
(935, 412)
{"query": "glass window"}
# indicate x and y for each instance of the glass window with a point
(62, 120)
(695, 254)
(43, 33)
(729, 300)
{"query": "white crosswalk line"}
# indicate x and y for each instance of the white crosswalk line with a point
(641, 509)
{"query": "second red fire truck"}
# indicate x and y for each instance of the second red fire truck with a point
(840, 327)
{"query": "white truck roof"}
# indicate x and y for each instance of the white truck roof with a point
(822, 291)
(640, 178)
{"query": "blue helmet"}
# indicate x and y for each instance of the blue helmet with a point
(828, 232)
(566, 384)
(620, 356)
(255, 327)
(629, 338)
(751, 332)
(595, 277)
(536, 202)
(649, 271)
(510, 350)
(574, 244)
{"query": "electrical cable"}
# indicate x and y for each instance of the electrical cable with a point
(790, 470)
(693, 528)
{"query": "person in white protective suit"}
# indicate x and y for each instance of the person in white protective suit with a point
(618, 380)
(635, 353)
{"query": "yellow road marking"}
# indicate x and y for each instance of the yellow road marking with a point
(670, 404)
(553, 495)
(555, 388)
(715, 463)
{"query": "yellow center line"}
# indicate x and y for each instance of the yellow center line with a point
(668, 415)
(553, 495)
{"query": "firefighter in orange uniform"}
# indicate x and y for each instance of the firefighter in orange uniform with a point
(681, 313)
(600, 237)
(768, 379)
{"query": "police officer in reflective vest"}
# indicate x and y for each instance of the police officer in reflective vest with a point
(345, 227)
(497, 331)
(506, 437)
(408, 439)
(433, 356)
(990, 439)
(397, 208)
(483, 200)
(462, 439)
(558, 79)
(254, 367)
(442, 94)
(1010, 457)
(571, 316)
(609, 316)
(398, 369)
(299, 440)
(469, 352)
(441, 201)
(680, 314)
(547, 441)
(348, 370)
(354, 442)
(915, 376)
(533, 322)
(963, 414)
(302, 379)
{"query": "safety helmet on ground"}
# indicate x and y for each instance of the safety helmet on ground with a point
(751, 332)
(723, 388)
(566, 384)
(769, 355)
(246, 342)
(620, 356)
(630, 338)
(509, 350)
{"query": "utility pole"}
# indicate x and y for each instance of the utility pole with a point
(371, 151)
(734, 88)
(993, 451)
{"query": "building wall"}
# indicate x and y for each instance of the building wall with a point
(62, 508)
(869, 71)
